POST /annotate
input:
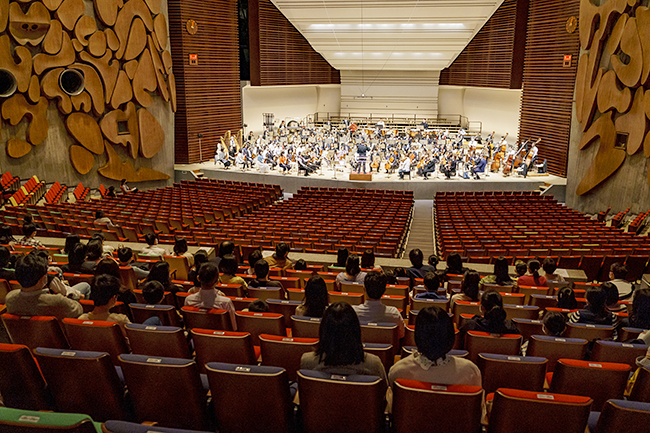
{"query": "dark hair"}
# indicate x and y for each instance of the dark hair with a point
(619, 270)
(225, 248)
(123, 181)
(433, 260)
(315, 299)
(124, 254)
(501, 271)
(281, 250)
(150, 238)
(228, 264)
(153, 292)
(160, 272)
(77, 255)
(180, 246)
(99, 214)
(6, 235)
(208, 274)
(301, 265)
(5, 255)
(94, 250)
(455, 264)
(30, 269)
(258, 306)
(342, 257)
(340, 336)
(70, 241)
(469, 285)
(434, 332)
(103, 288)
(109, 267)
(520, 268)
(431, 281)
(597, 300)
(27, 218)
(400, 272)
(495, 315)
(28, 229)
(98, 237)
(368, 259)
(261, 268)
(555, 323)
(352, 265)
(566, 298)
(416, 257)
(390, 276)
(611, 292)
(549, 265)
(200, 257)
(640, 311)
(375, 284)
(533, 266)
(254, 256)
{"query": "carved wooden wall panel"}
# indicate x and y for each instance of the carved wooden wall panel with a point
(279, 54)
(81, 63)
(208, 94)
(494, 57)
(548, 86)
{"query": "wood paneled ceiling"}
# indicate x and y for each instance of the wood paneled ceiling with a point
(388, 34)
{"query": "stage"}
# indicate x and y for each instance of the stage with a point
(422, 189)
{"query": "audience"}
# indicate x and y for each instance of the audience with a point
(70, 241)
(101, 218)
(181, 249)
(433, 261)
(520, 268)
(6, 236)
(29, 238)
(373, 310)
(368, 260)
(617, 274)
(200, 257)
(611, 303)
(469, 288)
(160, 272)
(352, 273)
(500, 274)
(94, 253)
(640, 312)
(225, 248)
(554, 324)
(300, 265)
(566, 298)
(315, 301)
(208, 297)
(595, 312)
(76, 258)
(455, 265)
(417, 269)
(550, 266)
(228, 266)
(493, 320)
(152, 248)
(261, 269)
(341, 260)
(431, 284)
(104, 291)
(153, 293)
(6, 272)
(257, 306)
(532, 278)
(253, 257)
(126, 259)
(279, 259)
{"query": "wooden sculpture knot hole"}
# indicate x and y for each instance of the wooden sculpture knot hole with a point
(71, 81)
(8, 83)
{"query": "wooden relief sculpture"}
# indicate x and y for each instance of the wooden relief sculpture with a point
(102, 70)
(612, 100)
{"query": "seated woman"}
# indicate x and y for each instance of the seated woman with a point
(499, 276)
(533, 278)
(434, 337)
(595, 312)
(228, 265)
(554, 324)
(368, 260)
(566, 298)
(493, 320)
(455, 265)
(180, 249)
(341, 259)
(200, 257)
(352, 273)
(76, 258)
(160, 272)
(315, 301)
(468, 288)
(340, 350)
(640, 310)
(550, 266)
(6, 237)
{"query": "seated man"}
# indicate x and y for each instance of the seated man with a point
(428, 168)
(261, 273)
(153, 292)
(617, 274)
(431, 283)
(34, 298)
(480, 167)
(208, 296)
(104, 290)
(152, 248)
(125, 258)
(279, 259)
(373, 310)
(404, 168)
(29, 232)
(418, 269)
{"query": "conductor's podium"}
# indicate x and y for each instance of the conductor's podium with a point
(360, 176)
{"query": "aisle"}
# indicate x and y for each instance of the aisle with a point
(421, 233)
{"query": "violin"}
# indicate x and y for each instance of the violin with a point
(389, 162)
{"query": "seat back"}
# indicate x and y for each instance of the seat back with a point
(385, 352)
(528, 327)
(326, 401)
(385, 333)
(521, 311)
(286, 307)
(222, 346)
(305, 327)
(589, 332)
(614, 351)
(264, 293)
(194, 317)
(533, 412)
(21, 384)
(127, 274)
(465, 307)
(96, 336)
(161, 341)
(180, 264)
(624, 416)
(641, 389)
(166, 313)
(554, 348)
(598, 380)
(349, 297)
(240, 391)
(35, 331)
(27, 421)
(481, 342)
(77, 378)
(443, 408)
(285, 352)
(260, 323)
(166, 390)
(507, 371)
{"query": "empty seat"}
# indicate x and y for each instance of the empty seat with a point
(286, 307)
(554, 348)
(250, 398)
(35, 331)
(589, 332)
(521, 311)
(161, 341)
(385, 333)
(528, 327)
(194, 317)
(623, 416)
(614, 351)
(304, 326)
(264, 293)
(349, 297)
(285, 352)
(223, 346)
(419, 406)
(508, 371)
(166, 313)
(178, 265)
(481, 342)
(26, 421)
(96, 336)
(21, 384)
(260, 323)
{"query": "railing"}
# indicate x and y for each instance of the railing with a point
(451, 121)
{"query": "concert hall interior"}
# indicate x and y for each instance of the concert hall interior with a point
(433, 213)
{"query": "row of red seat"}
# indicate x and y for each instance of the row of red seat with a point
(56, 193)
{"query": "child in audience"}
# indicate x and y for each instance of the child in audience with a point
(257, 306)
(301, 265)
(550, 267)
(315, 301)
(595, 312)
(554, 324)
(103, 293)
(493, 320)
(469, 288)
(566, 298)
(432, 284)
(533, 278)
(253, 258)
(228, 265)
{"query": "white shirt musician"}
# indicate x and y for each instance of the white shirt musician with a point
(404, 167)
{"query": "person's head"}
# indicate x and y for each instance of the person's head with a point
(533, 267)
(225, 248)
(596, 300)
(99, 214)
(611, 292)
(29, 230)
(180, 246)
(31, 270)
(400, 272)
(492, 306)
(254, 257)
(501, 270)
(28, 219)
(281, 250)
(94, 250)
(315, 296)
(125, 255)
(352, 266)
(151, 239)
(340, 336)
(342, 257)
(416, 257)
(434, 332)
(300, 265)
(5, 255)
(549, 265)
(390, 276)
(375, 284)
(104, 290)
(200, 257)
(469, 285)
(109, 267)
(123, 181)
(258, 306)
(520, 268)
(566, 298)
(111, 189)
(160, 272)
(431, 281)
(98, 237)
(368, 259)
(618, 271)
(228, 264)
(455, 263)
(78, 254)
(261, 269)
(640, 311)
(153, 292)
(434, 260)
(70, 242)
(554, 324)
(208, 275)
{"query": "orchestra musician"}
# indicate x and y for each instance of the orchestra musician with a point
(362, 151)
(449, 169)
(404, 167)
(479, 166)
(428, 168)
(222, 157)
(303, 164)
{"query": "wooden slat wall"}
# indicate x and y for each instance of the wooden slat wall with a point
(280, 55)
(209, 95)
(548, 87)
(494, 57)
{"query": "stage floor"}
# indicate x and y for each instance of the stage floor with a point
(422, 189)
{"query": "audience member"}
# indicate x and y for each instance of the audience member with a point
(104, 291)
(611, 303)
(181, 249)
(617, 274)
(153, 293)
(101, 218)
(554, 324)
(315, 301)
(108, 266)
(300, 265)
(533, 278)
(126, 259)
(595, 312)
(431, 284)
(520, 268)
(390, 276)
(341, 259)
(339, 349)
(352, 273)
(417, 269)
(29, 238)
(550, 266)
(373, 310)
(455, 265)
(368, 260)
(261, 269)
(152, 248)
(229, 268)
(433, 261)
(6, 273)
(106, 249)
(160, 272)
(257, 306)
(225, 248)
(499, 276)
(94, 253)
(279, 259)
(253, 257)
(431, 362)
(200, 257)
(6, 236)
(566, 298)
(493, 320)
(400, 272)
(469, 288)
(76, 258)
(209, 297)
(640, 310)
(70, 241)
